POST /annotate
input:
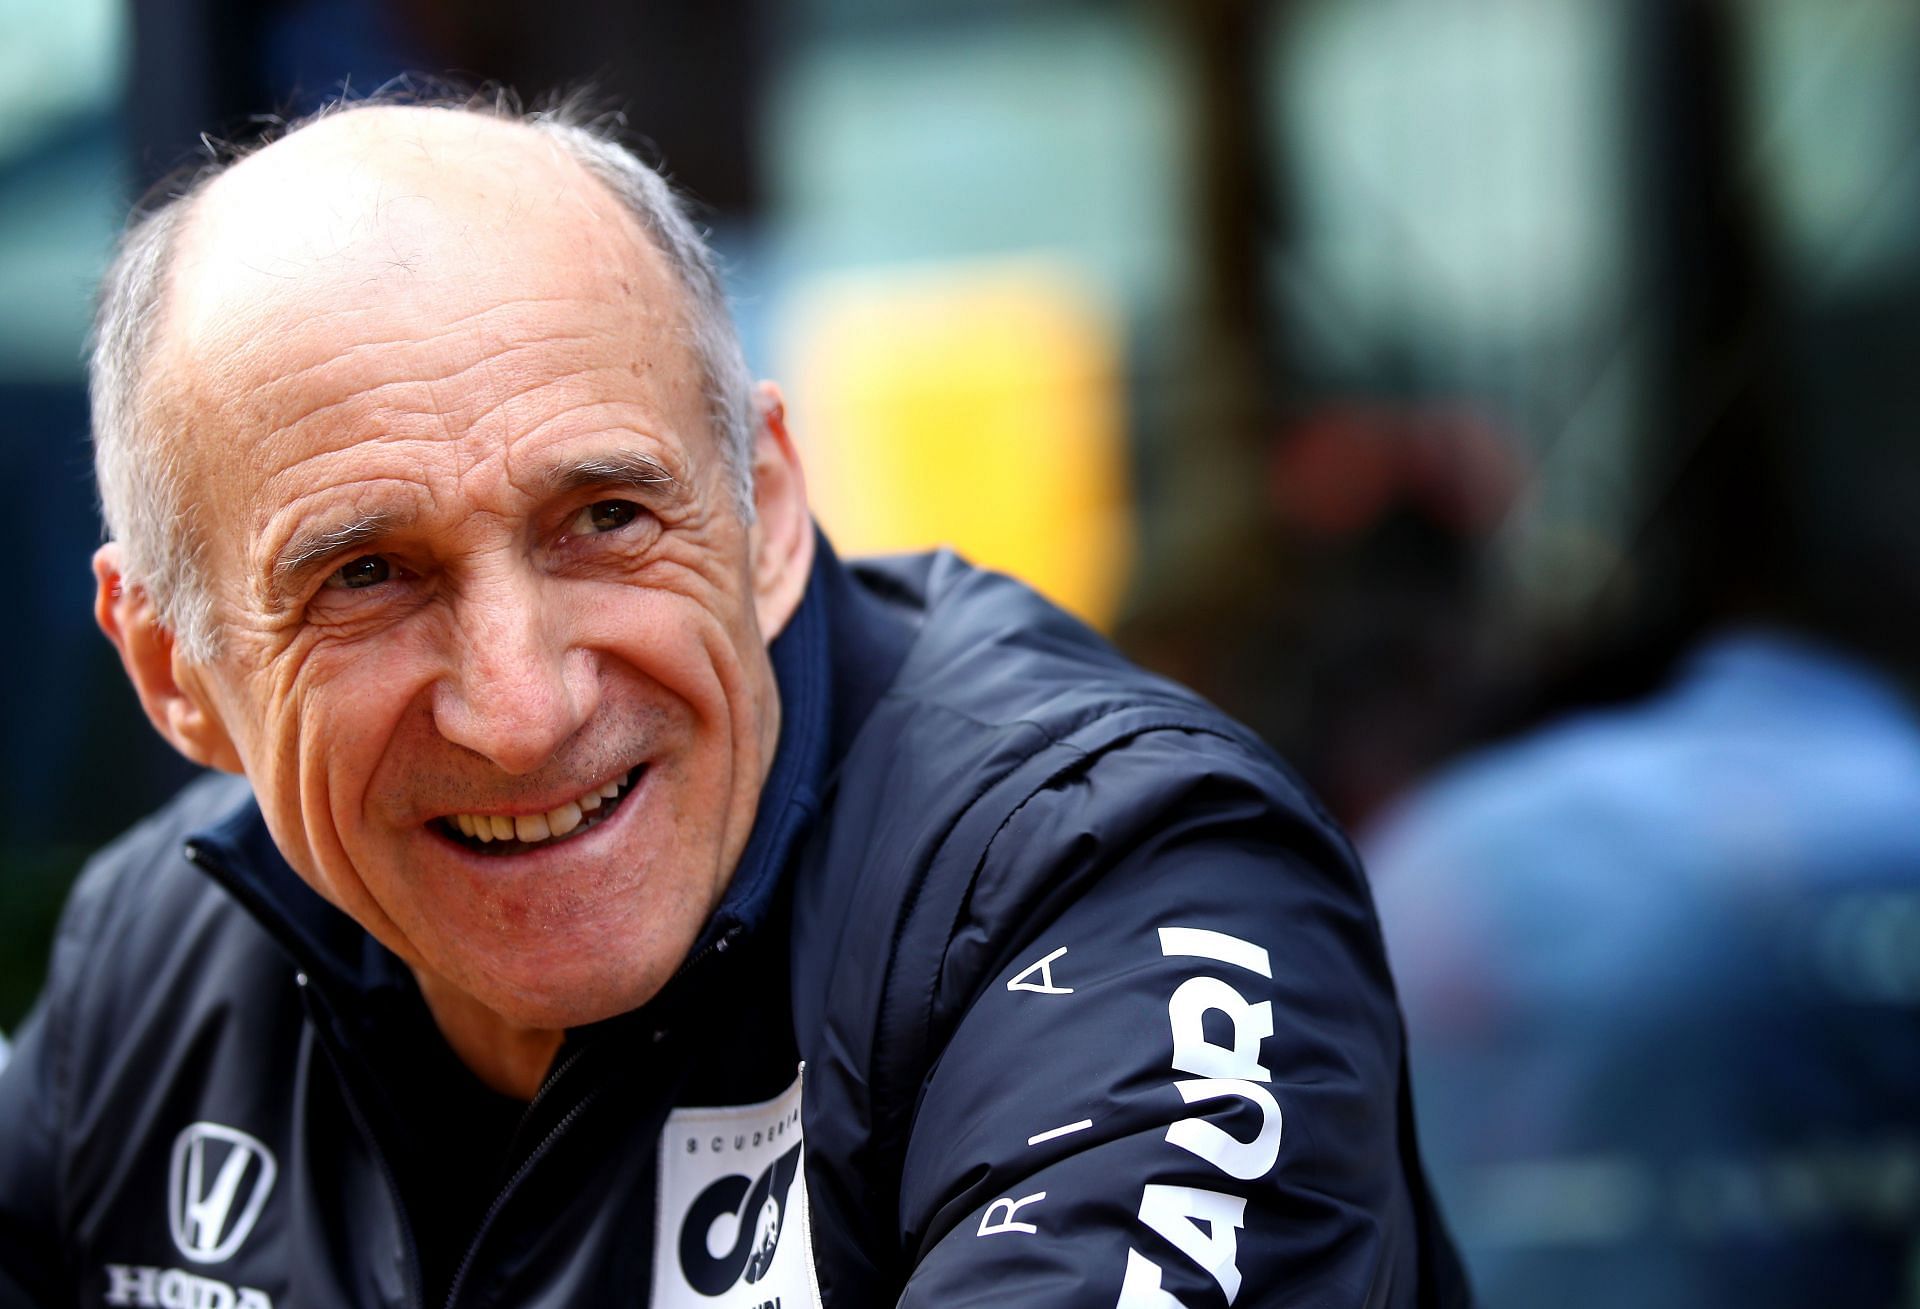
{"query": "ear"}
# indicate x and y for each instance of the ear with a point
(782, 536)
(170, 688)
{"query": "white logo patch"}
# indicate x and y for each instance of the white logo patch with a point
(217, 1186)
(732, 1227)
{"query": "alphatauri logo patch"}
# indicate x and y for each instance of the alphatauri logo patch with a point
(218, 1184)
(733, 1209)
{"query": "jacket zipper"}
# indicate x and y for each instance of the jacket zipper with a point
(718, 946)
(500, 1200)
(416, 1292)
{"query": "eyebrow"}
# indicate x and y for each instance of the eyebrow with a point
(317, 549)
(628, 470)
(309, 551)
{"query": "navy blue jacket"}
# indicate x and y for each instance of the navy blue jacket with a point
(1071, 991)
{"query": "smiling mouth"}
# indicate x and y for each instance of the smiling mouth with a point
(501, 834)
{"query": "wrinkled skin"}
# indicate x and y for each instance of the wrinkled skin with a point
(425, 326)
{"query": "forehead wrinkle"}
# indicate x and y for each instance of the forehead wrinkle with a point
(319, 495)
(398, 402)
(388, 405)
(353, 351)
(454, 373)
(629, 418)
(215, 335)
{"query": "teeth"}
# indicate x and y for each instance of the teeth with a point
(564, 819)
(529, 828)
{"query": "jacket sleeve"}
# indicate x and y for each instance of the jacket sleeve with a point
(36, 1092)
(32, 1271)
(1182, 1080)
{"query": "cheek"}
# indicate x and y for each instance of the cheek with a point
(340, 715)
(688, 646)
(347, 726)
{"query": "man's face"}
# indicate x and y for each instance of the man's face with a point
(493, 631)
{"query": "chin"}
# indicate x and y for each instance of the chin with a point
(555, 998)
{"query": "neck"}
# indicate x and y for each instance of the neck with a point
(510, 1059)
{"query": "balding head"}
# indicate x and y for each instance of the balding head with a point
(385, 201)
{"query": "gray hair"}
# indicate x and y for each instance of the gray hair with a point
(144, 502)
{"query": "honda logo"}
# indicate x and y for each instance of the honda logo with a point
(216, 1188)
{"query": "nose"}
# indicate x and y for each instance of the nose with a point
(516, 690)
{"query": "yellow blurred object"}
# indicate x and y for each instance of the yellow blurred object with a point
(974, 405)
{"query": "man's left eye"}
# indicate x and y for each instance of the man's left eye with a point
(603, 516)
(369, 570)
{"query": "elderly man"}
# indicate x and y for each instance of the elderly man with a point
(602, 838)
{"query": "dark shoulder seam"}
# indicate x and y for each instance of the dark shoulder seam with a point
(911, 899)
(1086, 757)
(1056, 734)
(1083, 759)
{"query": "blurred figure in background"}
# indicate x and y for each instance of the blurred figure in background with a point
(1661, 959)
(1661, 967)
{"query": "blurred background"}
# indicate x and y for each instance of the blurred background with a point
(1503, 405)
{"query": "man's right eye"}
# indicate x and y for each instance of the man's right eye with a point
(370, 570)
